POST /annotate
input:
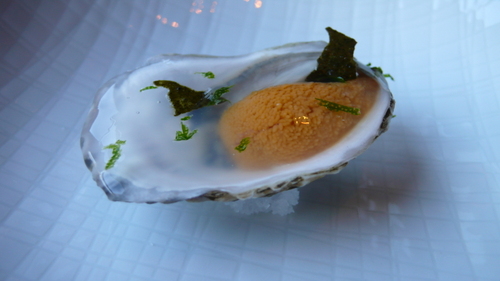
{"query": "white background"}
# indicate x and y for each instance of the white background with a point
(423, 203)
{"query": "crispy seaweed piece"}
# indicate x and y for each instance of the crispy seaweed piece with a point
(184, 99)
(336, 63)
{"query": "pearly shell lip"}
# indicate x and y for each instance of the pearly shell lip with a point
(123, 187)
(299, 181)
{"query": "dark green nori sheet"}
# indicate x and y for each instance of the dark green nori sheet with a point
(184, 99)
(336, 63)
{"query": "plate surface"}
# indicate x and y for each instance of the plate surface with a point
(422, 203)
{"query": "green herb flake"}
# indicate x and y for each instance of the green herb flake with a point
(389, 76)
(217, 98)
(337, 60)
(184, 134)
(338, 107)
(116, 153)
(380, 71)
(185, 118)
(208, 74)
(148, 88)
(184, 99)
(243, 144)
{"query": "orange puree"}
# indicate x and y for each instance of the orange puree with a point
(286, 124)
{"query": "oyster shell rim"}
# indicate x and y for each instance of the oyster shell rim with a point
(299, 181)
(118, 192)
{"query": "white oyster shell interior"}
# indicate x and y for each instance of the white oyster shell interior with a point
(155, 168)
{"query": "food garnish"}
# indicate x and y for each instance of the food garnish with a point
(243, 144)
(116, 153)
(379, 70)
(184, 134)
(208, 74)
(336, 63)
(338, 107)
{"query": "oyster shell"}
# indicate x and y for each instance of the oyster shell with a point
(155, 168)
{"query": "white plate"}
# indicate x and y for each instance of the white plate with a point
(423, 203)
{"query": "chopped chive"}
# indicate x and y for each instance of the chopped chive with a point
(217, 98)
(338, 107)
(389, 76)
(208, 74)
(243, 144)
(116, 153)
(379, 70)
(184, 134)
(148, 88)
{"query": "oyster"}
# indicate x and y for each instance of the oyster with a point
(137, 129)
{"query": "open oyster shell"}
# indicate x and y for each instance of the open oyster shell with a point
(155, 168)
